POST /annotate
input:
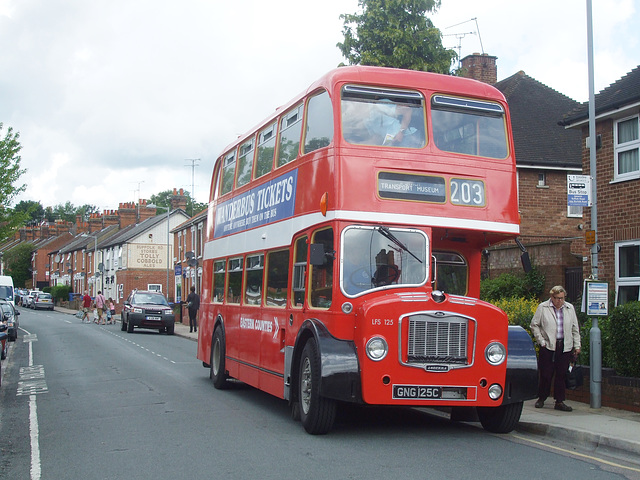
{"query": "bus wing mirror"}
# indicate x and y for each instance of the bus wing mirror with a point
(317, 254)
(524, 258)
(526, 262)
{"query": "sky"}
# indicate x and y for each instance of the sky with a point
(117, 100)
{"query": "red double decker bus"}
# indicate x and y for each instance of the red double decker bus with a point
(344, 245)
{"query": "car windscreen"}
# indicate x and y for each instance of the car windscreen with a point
(149, 299)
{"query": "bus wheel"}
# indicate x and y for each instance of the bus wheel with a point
(502, 419)
(317, 413)
(217, 372)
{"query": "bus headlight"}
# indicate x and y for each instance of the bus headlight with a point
(377, 349)
(495, 391)
(495, 353)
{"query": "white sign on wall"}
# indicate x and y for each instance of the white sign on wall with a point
(579, 191)
(147, 255)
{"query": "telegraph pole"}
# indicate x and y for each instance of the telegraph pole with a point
(595, 341)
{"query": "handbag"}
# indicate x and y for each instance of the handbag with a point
(574, 377)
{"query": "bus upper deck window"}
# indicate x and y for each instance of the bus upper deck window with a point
(228, 172)
(266, 149)
(319, 126)
(471, 127)
(290, 129)
(383, 117)
(245, 163)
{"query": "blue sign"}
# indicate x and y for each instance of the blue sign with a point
(267, 203)
(178, 271)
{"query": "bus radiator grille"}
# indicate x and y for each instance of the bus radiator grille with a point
(437, 340)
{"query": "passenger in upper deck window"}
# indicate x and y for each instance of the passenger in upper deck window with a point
(388, 122)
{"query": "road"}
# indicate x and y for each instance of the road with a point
(82, 401)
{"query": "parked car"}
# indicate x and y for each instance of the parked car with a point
(10, 317)
(43, 300)
(147, 309)
(4, 345)
(29, 300)
(3, 339)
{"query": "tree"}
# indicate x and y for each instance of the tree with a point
(66, 212)
(18, 263)
(34, 209)
(395, 33)
(162, 201)
(10, 172)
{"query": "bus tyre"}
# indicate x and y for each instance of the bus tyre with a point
(317, 413)
(218, 371)
(502, 419)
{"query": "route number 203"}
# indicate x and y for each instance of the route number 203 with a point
(467, 192)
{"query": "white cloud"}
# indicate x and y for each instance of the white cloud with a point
(125, 91)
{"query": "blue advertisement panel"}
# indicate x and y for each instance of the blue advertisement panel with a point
(268, 203)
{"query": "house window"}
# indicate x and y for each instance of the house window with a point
(627, 148)
(627, 272)
(542, 179)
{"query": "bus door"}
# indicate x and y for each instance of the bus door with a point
(274, 321)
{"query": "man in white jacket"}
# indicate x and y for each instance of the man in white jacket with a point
(555, 328)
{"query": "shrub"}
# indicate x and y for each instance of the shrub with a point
(624, 335)
(509, 285)
(519, 310)
(60, 292)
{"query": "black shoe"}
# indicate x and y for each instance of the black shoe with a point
(562, 407)
(190, 331)
(539, 404)
(195, 330)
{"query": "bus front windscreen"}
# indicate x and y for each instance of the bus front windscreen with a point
(377, 257)
(382, 117)
(471, 127)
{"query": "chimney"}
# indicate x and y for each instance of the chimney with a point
(95, 222)
(111, 218)
(145, 211)
(480, 67)
(178, 200)
(127, 213)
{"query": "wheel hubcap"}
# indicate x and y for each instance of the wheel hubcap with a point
(305, 386)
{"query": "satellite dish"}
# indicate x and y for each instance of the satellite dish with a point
(57, 258)
(192, 262)
(101, 267)
(189, 255)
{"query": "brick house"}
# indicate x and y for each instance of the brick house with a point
(138, 257)
(188, 249)
(617, 110)
(545, 154)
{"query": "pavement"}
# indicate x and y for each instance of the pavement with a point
(604, 430)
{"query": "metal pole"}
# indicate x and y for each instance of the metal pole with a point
(168, 229)
(595, 342)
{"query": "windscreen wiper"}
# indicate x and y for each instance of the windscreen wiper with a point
(385, 232)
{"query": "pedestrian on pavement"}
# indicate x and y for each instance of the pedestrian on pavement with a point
(100, 303)
(193, 304)
(112, 311)
(555, 328)
(86, 307)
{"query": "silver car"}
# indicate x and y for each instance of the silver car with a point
(43, 300)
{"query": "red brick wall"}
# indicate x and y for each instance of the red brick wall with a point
(543, 210)
(618, 204)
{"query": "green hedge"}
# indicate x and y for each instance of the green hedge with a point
(509, 285)
(60, 292)
(624, 336)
